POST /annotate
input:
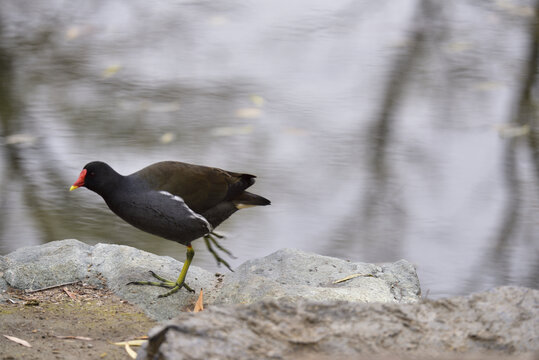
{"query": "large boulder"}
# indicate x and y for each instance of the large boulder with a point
(293, 275)
(289, 275)
(498, 322)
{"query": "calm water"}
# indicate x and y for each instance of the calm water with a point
(380, 130)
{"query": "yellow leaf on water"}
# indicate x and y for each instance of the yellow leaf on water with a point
(511, 131)
(167, 138)
(25, 139)
(111, 70)
(73, 32)
(459, 46)
(248, 113)
(18, 341)
(257, 100)
(232, 130)
(199, 305)
(488, 85)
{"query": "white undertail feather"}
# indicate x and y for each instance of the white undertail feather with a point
(243, 206)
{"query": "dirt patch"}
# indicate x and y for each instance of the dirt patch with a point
(75, 321)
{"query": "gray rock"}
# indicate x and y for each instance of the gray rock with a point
(118, 265)
(293, 275)
(54, 263)
(502, 321)
(289, 275)
(3, 283)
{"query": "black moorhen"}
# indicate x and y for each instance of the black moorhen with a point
(177, 201)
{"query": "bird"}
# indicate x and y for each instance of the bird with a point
(174, 200)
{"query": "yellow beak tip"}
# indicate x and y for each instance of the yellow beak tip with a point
(73, 187)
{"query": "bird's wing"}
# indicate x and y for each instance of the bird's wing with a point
(201, 187)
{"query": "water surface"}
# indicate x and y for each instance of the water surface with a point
(380, 130)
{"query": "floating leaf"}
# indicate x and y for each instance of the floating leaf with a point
(111, 71)
(488, 85)
(18, 341)
(25, 139)
(167, 138)
(509, 131)
(232, 130)
(459, 46)
(73, 32)
(257, 100)
(248, 113)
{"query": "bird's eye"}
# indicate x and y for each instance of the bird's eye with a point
(92, 173)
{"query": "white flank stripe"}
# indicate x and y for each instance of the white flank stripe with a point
(193, 214)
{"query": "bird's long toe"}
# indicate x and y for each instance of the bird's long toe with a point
(174, 286)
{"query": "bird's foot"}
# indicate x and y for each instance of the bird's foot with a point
(174, 286)
(210, 239)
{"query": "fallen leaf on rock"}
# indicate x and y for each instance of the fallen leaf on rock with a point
(18, 341)
(131, 342)
(130, 351)
(71, 337)
(350, 277)
(199, 305)
(70, 294)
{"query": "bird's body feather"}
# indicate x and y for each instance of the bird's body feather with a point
(174, 200)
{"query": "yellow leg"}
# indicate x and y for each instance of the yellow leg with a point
(173, 286)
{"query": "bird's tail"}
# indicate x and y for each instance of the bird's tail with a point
(247, 199)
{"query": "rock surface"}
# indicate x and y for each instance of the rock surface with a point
(501, 321)
(292, 275)
(289, 306)
(288, 275)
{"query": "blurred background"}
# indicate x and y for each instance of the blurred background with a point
(380, 130)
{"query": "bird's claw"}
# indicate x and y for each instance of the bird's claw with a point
(172, 285)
